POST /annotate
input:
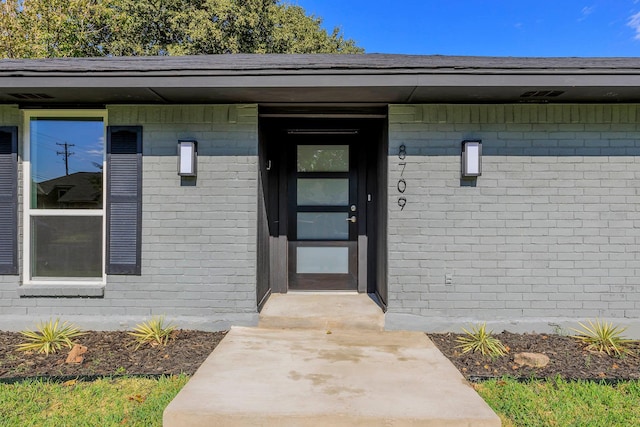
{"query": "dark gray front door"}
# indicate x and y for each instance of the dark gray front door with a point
(323, 212)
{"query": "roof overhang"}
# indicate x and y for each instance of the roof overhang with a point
(326, 79)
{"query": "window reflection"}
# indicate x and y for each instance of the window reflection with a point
(66, 163)
(323, 158)
(323, 191)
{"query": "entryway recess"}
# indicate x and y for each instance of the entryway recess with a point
(322, 207)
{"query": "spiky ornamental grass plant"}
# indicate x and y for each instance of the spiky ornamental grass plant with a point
(153, 332)
(49, 337)
(603, 337)
(479, 339)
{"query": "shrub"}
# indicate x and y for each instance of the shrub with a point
(603, 337)
(153, 332)
(49, 337)
(478, 339)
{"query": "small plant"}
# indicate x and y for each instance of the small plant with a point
(559, 330)
(603, 337)
(49, 337)
(153, 332)
(587, 361)
(478, 339)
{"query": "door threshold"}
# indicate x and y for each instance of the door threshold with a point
(320, 292)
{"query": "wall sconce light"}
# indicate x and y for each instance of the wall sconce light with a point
(471, 159)
(187, 157)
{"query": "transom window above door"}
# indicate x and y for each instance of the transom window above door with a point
(64, 203)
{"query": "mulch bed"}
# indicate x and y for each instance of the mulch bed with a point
(109, 353)
(114, 353)
(568, 359)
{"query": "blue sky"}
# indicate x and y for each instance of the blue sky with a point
(486, 27)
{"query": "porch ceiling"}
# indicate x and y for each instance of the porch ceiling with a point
(332, 79)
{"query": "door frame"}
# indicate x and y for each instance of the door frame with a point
(371, 239)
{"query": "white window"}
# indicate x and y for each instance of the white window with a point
(64, 165)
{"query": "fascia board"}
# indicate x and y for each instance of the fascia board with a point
(319, 81)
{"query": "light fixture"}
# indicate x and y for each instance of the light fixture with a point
(187, 157)
(471, 159)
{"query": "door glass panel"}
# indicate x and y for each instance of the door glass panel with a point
(323, 191)
(322, 260)
(323, 158)
(323, 226)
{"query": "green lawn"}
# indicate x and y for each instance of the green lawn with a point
(562, 403)
(140, 402)
(106, 402)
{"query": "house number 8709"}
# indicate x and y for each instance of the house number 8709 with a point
(402, 183)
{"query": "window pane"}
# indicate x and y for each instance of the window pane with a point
(323, 226)
(323, 158)
(66, 163)
(322, 260)
(66, 246)
(323, 192)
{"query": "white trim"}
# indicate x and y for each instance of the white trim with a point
(72, 281)
(28, 212)
(67, 212)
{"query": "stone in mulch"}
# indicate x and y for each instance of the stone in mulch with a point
(533, 360)
(76, 354)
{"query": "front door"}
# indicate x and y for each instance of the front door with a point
(323, 211)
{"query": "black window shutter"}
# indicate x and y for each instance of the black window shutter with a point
(8, 200)
(124, 199)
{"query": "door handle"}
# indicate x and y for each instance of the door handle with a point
(352, 218)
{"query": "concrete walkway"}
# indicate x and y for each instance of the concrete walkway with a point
(339, 376)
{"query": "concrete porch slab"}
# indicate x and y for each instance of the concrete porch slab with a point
(292, 377)
(321, 310)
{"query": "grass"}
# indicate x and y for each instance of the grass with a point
(140, 402)
(105, 402)
(562, 403)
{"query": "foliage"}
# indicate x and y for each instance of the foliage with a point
(52, 28)
(478, 339)
(49, 337)
(603, 337)
(153, 332)
(68, 28)
(296, 32)
(563, 403)
(105, 402)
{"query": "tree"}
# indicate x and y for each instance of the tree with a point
(64, 28)
(296, 32)
(51, 28)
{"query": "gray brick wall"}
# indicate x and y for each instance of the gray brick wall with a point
(198, 241)
(548, 234)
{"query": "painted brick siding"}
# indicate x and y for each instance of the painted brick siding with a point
(198, 238)
(549, 233)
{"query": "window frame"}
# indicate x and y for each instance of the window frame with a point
(29, 212)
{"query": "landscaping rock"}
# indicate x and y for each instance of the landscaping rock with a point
(76, 354)
(534, 360)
